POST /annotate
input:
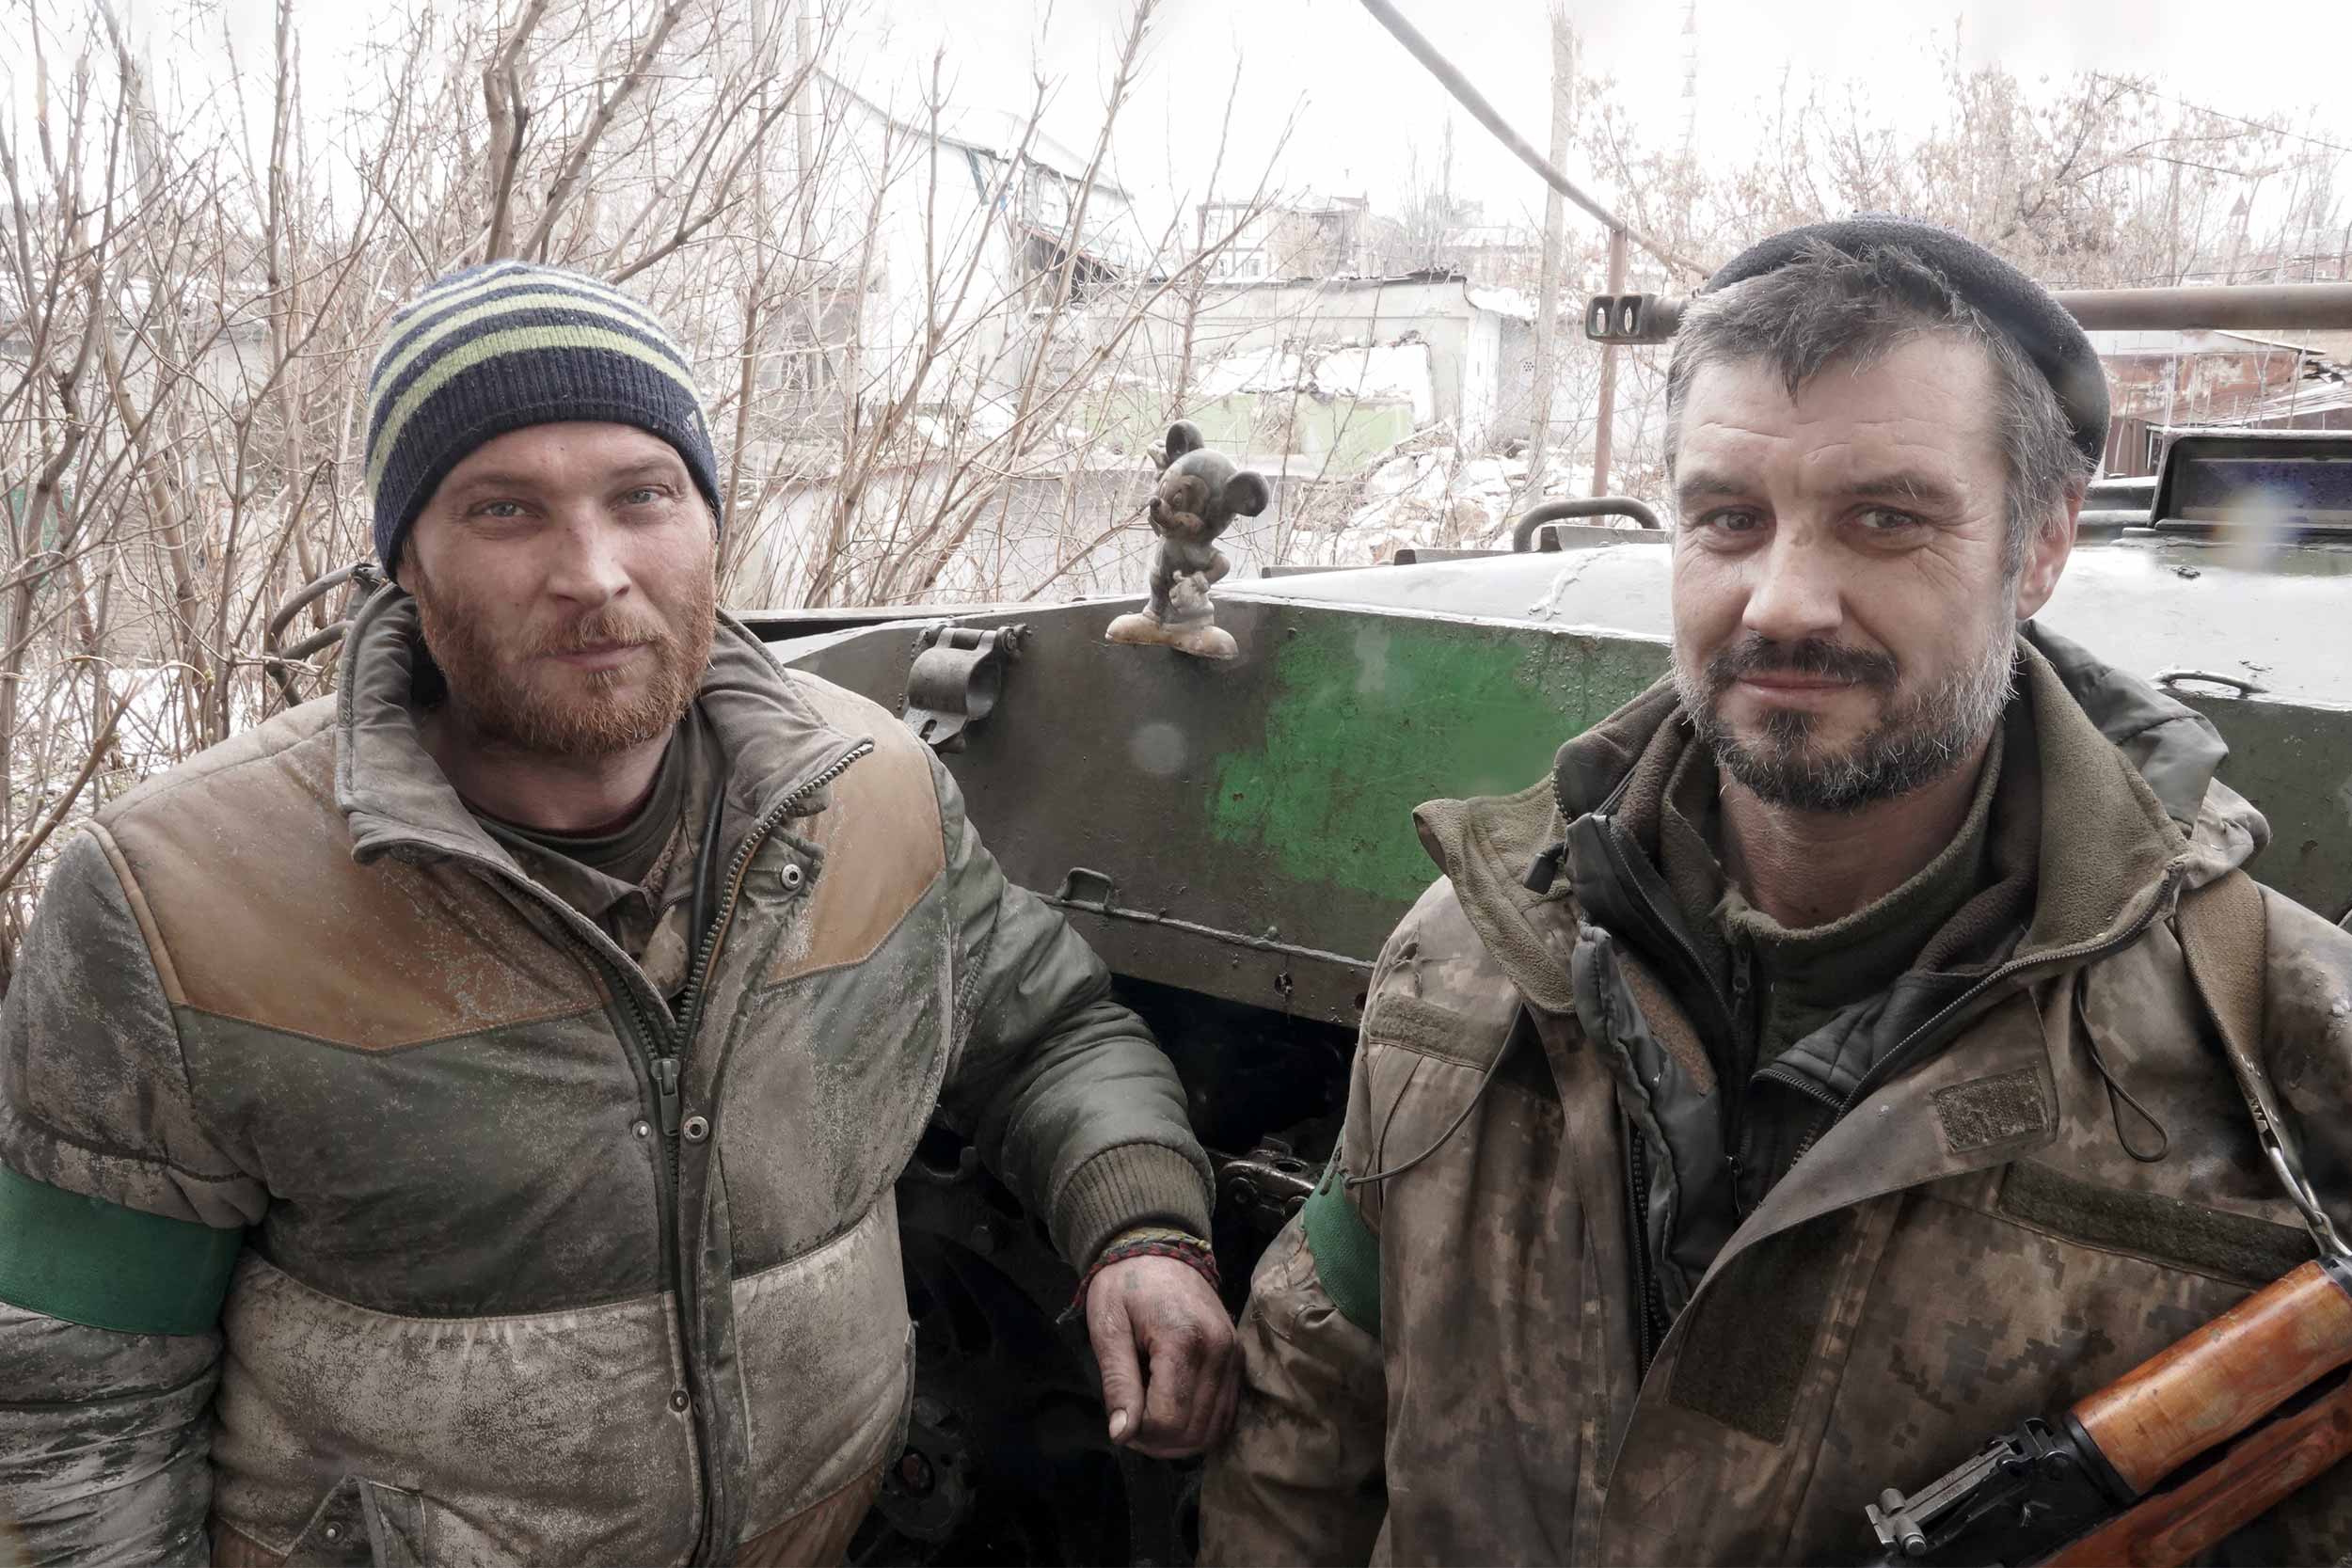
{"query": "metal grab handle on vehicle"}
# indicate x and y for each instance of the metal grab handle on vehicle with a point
(1523, 531)
(2169, 680)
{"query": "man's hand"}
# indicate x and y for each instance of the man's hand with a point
(1158, 1313)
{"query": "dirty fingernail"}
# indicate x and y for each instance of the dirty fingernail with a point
(1118, 1425)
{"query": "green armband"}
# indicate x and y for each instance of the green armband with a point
(99, 1264)
(1346, 1250)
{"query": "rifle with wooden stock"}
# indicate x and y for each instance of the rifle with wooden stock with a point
(2144, 1471)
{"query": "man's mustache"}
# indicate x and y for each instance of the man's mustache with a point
(1813, 657)
(599, 628)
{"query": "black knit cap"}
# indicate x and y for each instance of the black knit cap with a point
(2016, 307)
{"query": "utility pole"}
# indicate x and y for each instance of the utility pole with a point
(1385, 13)
(1605, 420)
(1555, 233)
(1621, 235)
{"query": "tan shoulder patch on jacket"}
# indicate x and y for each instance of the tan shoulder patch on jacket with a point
(1438, 992)
(259, 913)
(880, 836)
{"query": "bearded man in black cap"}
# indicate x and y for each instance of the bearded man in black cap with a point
(1817, 1075)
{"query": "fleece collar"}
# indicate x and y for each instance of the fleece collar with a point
(394, 794)
(2124, 772)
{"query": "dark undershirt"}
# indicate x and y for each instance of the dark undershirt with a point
(623, 854)
(633, 879)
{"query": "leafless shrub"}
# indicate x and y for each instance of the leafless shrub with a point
(906, 325)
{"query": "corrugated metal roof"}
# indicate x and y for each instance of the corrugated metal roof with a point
(2303, 398)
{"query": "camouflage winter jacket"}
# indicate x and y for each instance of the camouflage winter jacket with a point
(519, 1265)
(1987, 1232)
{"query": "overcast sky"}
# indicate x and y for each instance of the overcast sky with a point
(1362, 104)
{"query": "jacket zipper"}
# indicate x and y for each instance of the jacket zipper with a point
(1646, 1310)
(691, 999)
(666, 1066)
(1645, 1284)
(659, 1044)
(1673, 933)
(1895, 1060)
(1736, 1095)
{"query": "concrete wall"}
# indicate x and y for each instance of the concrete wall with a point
(1470, 367)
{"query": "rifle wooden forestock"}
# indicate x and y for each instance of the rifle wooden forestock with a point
(2091, 1488)
(2208, 1387)
(2180, 1523)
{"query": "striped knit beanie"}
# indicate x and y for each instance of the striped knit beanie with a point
(506, 345)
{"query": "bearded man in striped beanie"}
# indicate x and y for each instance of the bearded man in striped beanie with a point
(456, 1120)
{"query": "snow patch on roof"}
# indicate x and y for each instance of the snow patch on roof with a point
(1380, 372)
(1504, 302)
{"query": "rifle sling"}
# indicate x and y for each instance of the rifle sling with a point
(2224, 934)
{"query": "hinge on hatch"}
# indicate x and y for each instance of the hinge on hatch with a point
(957, 675)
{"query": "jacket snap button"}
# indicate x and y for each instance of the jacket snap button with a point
(643, 1128)
(677, 1400)
(791, 877)
(696, 1129)
(334, 1532)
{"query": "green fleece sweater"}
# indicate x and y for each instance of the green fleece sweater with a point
(1784, 984)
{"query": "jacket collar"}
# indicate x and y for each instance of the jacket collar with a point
(397, 799)
(2107, 838)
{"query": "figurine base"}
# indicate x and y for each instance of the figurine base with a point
(1201, 638)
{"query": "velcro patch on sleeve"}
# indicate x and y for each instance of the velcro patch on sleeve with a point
(84, 1260)
(1988, 1111)
(1421, 1026)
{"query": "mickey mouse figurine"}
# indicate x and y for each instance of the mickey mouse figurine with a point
(1200, 492)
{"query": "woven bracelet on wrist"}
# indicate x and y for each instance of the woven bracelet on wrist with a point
(1189, 1250)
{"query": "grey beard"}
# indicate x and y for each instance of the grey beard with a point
(1920, 742)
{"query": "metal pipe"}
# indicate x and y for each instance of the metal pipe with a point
(2221, 307)
(2235, 307)
(1605, 424)
(1483, 112)
(1523, 531)
(326, 636)
(303, 596)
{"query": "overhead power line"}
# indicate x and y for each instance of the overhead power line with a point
(2220, 114)
(1456, 83)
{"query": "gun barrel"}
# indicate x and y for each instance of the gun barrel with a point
(2210, 1386)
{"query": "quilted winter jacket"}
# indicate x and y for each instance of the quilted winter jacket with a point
(1988, 1232)
(519, 1265)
